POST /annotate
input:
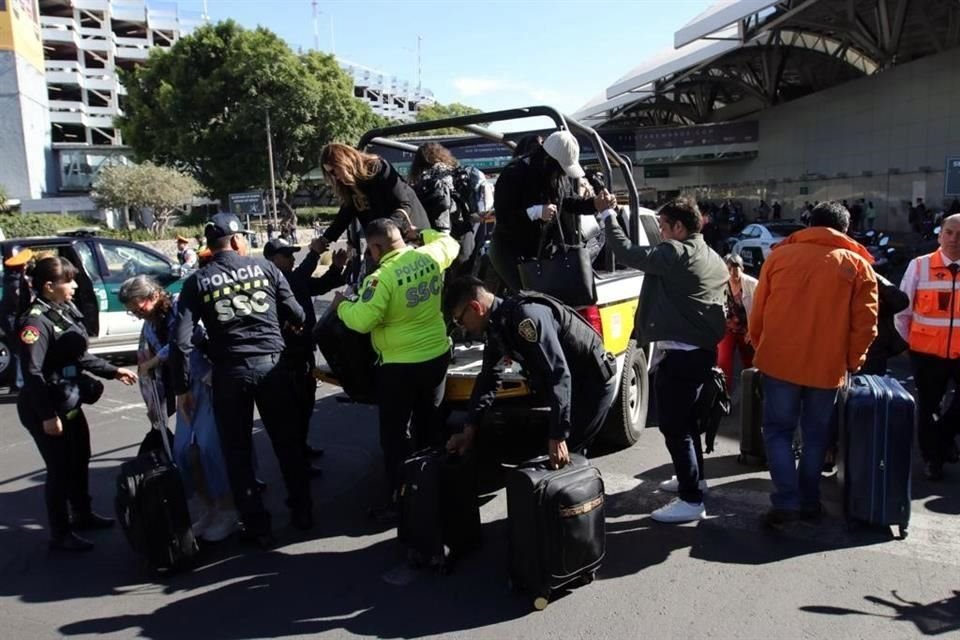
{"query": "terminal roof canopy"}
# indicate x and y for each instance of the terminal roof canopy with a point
(741, 56)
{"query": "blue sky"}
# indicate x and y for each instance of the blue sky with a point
(490, 55)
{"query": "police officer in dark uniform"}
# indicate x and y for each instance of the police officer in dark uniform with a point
(238, 298)
(53, 353)
(299, 352)
(562, 356)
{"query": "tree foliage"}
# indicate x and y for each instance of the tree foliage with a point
(3, 198)
(164, 190)
(202, 106)
(439, 111)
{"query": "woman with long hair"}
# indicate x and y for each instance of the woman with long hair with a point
(196, 444)
(368, 187)
(54, 355)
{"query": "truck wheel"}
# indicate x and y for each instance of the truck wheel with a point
(628, 415)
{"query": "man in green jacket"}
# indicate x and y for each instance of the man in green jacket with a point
(399, 305)
(681, 309)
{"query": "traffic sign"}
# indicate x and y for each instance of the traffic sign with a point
(248, 203)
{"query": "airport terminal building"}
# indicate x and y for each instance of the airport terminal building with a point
(796, 101)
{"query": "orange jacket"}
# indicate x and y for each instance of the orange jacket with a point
(815, 309)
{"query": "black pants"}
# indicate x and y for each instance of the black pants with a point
(679, 375)
(305, 388)
(932, 375)
(504, 260)
(67, 458)
(410, 416)
(589, 405)
(237, 385)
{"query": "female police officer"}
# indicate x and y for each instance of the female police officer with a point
(53, 352)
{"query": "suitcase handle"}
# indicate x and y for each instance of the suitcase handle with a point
(528, 464)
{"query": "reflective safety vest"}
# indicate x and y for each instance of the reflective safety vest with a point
(935, 326)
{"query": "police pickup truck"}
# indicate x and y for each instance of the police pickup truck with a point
(618, 287)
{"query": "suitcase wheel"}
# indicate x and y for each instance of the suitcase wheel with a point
(541, 603)
(587, 578)
(903, 532)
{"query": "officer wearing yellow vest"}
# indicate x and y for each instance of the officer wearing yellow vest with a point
(399, 305)
(931, 324)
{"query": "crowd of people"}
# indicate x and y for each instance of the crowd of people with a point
(239, 335)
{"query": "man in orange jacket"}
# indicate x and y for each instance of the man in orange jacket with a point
(931, 324)
(814, 316)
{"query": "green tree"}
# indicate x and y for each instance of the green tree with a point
(164, 190)
(439, 111)
(202, 106)
(3, 198)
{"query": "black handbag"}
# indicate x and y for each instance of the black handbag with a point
(566, 275)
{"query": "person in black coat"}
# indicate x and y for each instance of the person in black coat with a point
(529, 194)
(298, 352)
(53, 354)
(889, 342)
(368, 188)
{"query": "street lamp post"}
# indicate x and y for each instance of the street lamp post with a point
(273, 184)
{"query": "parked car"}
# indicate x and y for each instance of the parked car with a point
(755, 242)
(103, 264)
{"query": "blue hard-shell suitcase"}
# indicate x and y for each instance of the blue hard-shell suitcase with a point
(877, 437)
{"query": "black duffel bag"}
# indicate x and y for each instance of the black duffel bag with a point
(350, 356)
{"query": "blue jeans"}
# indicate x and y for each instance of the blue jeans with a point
(784, 406)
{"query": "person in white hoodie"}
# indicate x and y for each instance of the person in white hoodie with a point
(738, 303)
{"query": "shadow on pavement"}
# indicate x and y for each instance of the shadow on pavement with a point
(935, 618)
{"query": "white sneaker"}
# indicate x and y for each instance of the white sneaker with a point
(206, 520)
(222, 527)
(673, 485)
(680, 511)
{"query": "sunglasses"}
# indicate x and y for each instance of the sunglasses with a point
(458, 319)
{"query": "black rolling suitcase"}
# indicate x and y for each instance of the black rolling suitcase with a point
(752, 450)
(151, 506)
(439, 508)
(876, 439)
(557, 527)
(350, 355)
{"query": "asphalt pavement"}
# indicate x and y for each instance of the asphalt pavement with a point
(724, 577)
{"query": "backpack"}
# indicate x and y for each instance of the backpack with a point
(435, 190)
(711, 405)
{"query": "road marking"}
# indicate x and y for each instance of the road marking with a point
(120, 409)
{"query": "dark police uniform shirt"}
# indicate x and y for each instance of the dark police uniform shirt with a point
(305, 287)
(237, 298)
(53, 345)
(529, 332)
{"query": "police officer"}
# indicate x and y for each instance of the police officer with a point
(298, 354)
(53, 353)
(238, 298)
(399, 306)
(561, 354)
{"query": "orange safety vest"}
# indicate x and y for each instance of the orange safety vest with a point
(935, 326)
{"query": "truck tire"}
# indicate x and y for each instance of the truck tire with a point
(628, 415)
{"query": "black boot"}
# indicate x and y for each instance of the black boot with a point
(91, 520)
(71, 542)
